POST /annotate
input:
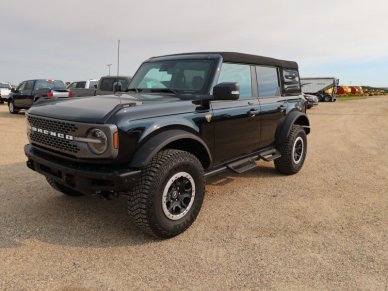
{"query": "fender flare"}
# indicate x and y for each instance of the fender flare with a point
(156, 143)
(294, 117)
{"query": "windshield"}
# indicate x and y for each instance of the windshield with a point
(5, 86)
(184, 76)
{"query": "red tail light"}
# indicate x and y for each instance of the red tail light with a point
(50, 94)
(70, 94)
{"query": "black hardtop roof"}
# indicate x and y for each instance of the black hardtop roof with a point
(234, 57)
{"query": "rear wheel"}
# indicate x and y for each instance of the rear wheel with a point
(169, 194)
(327, 98)
(293, 151)
(62, 188)
(11, 107)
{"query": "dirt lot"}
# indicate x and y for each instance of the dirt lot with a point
(324, 228)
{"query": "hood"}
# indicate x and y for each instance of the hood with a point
(98, 109)
(94, 109)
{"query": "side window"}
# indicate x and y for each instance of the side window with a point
(81, 84)
(237, 73)
(29, 85)
(73, 85)
(268, 82)
(291, 81)
(21, 87)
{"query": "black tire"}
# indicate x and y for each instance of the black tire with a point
(327, 98)
(292, 158)
(320, 98)
(62, 188)
(149, 201)
(11, 107)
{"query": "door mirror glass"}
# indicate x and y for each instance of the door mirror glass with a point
(226, 91)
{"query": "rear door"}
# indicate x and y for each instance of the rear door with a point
(236, 122)
(273, 105)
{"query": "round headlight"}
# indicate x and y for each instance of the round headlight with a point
(98, 141)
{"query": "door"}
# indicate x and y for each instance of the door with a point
(236, 122)
(273, 106)
(23, 97)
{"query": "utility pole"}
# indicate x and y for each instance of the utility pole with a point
(118, 58)
(109, 65)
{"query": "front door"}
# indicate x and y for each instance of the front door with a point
(236, 122)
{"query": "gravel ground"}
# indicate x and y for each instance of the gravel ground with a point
(325, 228)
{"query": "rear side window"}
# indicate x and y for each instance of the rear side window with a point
(81, 85)
(240, 74)
(268, 81)
(291, 82)
(49, 84)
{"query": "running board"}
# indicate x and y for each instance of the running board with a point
(270, 155)
(242, 165)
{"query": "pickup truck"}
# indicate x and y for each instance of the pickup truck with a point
(185, 117)
(5, 89)
(105, 86)
(36, 91)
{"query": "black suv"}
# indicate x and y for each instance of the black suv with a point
(31, 92)
(184, 117)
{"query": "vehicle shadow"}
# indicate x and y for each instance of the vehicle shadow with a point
(32, 210)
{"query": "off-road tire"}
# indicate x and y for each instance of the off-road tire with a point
(62, 188)
(11, 107)
(286, 163)
(145, 199)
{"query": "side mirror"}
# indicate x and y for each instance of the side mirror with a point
(13, 90)
(226, 91)
(95, 86)
(117, 87)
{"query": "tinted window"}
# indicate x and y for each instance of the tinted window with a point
(49, 84)
(108, 83)
(237, 73)
(21, 86)
(81, 84)
(267, 79)
(29, 85)
(291, 81)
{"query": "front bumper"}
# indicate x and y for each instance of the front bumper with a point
(83, 178)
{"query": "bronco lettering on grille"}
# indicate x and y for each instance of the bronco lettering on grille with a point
(52, 133)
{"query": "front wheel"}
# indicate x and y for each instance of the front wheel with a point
(327, 98)
(293, 151)
(169, 194)
(11, 107)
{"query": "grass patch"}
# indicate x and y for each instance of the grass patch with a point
(346, 98)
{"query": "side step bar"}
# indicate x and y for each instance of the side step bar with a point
(248, 163)
(270, 155)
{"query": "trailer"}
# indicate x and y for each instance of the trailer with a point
(325, 88)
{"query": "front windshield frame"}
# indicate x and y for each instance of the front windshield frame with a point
(146, 67)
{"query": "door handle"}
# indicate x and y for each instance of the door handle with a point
(282, 107)
(253, 112)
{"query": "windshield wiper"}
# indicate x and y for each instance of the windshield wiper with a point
(167, 90)
(137, 90)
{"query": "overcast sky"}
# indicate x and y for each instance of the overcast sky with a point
(75, 39)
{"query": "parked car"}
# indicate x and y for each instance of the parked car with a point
(311, 100)
(83, 88)
(5, 89)
(105, 86)
(31, 92)
(185, 117)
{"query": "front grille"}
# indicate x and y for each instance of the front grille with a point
(50, 141)
(52, 125)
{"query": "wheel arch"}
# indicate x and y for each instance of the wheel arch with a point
(172, 139)
(294, 117)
